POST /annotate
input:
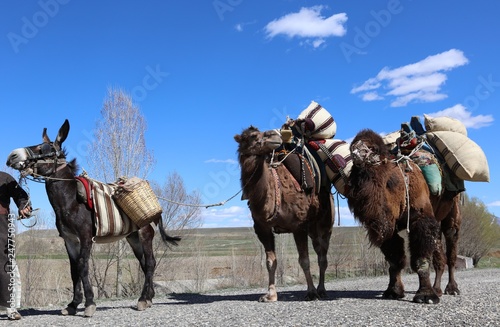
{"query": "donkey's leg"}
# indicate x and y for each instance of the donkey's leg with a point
(450, 227)
(83, 268)
(300, 238)
(424, 233)
(266, 237)
(73, 249)
(320, 235)
(142, 246)
(394, 252)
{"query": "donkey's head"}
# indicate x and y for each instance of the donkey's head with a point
(43, 159)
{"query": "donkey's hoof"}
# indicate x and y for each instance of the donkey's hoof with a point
(89, 311)
(143, 305)
(68, 311)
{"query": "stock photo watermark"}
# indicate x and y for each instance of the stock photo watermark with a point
(153, 78)
(482, 92)
(11, 262)
(31, 26)
(221, 179)
(371, 29)
(222, 7)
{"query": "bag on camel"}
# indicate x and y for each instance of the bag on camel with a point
(429, 165)
(462, 155)
(336, 157)
(444, 124)
(316, 123)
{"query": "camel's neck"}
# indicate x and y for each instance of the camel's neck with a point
(255, 177)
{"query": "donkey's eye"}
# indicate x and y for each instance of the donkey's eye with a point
(46, 148)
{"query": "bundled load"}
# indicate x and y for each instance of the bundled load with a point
(136, 198)
(462, 155)
(336, 157)
(316, 127)
(316, 123)
(442, 151)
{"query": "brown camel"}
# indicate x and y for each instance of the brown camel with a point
(278, 205)
(388, 196)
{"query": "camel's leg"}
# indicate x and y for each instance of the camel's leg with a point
(438, 262)
(266, 237)
(424, 233)
(394, 252)
(301, 242)
(320, 236)
(450, 227)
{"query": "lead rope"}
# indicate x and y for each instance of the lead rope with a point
(407, 192)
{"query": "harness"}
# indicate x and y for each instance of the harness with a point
(49, 155)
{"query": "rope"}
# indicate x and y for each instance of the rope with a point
(405, 177)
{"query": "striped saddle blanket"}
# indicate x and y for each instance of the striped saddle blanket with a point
(110, 220)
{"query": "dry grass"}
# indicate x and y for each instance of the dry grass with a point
(205, 259)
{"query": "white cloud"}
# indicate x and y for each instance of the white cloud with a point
(233, 216)
(308, 23)
(371, 96)
(239, 27)
(461, 113)
(494, 204)
(417, 82)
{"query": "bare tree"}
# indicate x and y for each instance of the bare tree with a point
(181, 210)
(119, 149)
(479, 231)
(119, 145)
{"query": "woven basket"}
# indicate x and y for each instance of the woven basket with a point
(140, 203)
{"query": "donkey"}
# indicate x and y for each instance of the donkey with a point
(75, 221)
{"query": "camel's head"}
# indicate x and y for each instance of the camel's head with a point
(254, 142)
(368, 147)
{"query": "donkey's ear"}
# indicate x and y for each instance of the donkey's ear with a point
(45, 137)
(63, 133)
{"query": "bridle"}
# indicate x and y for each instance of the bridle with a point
(49, 155)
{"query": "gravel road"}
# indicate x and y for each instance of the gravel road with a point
(352, 302)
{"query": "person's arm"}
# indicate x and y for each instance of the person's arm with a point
(20, 197)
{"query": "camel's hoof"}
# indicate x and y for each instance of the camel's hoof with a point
(143, 305)
(68, 311)
(268, 298)
(427, 299)
(393, 295)
(89, 311)
(451, 290)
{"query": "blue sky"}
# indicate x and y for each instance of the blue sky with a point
(202, 71)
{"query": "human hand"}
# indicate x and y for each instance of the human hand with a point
(25, 212)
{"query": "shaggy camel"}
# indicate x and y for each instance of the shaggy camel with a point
(388, 196)
(278, 205)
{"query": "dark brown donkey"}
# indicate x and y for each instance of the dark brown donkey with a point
(75, 222)
(278, 205)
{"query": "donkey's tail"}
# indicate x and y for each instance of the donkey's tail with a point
(165, 237)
